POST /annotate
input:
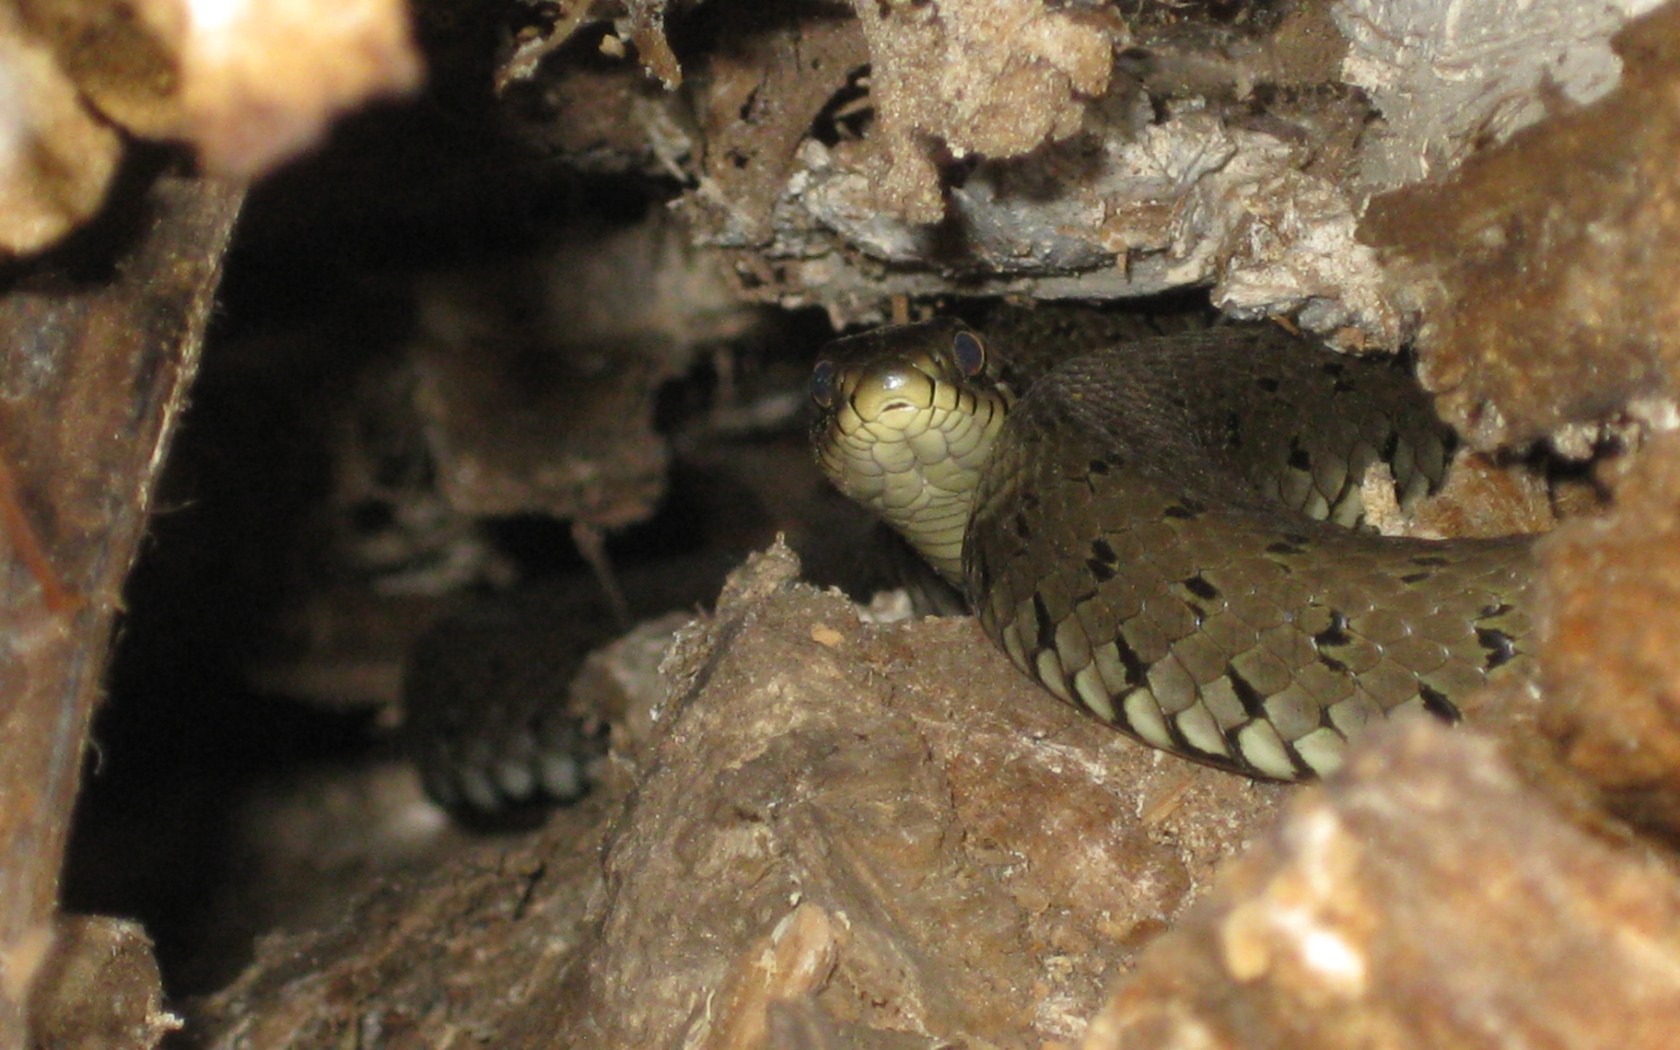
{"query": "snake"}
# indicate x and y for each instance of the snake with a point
(1170, 533)
(489, 717)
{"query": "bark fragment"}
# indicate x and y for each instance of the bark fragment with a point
(1348, 923)
(835, 827)
(213, 75)
(1612, 669)
(99, 989)
(1544, 266)
(56, 158)
(91, 385)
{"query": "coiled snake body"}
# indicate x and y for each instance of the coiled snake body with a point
(1168, 533)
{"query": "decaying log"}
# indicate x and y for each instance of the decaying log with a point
(99, 346)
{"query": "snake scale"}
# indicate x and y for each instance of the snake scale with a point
(1169, 533)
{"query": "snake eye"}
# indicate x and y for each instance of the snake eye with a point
(969, 352)
(822, 383)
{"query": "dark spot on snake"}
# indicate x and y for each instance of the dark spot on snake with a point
(1284, 548)
(1346, 492)
(1437, 704)
(1136, 672)
(1046, 626)
(1335, 634)
(1415, 577)
(1431, 560)
(1491, 611)
(1197, 613)
(1200, 586)
(1267, 383)
(1298, 457)
(1104, 553)
(1181, 743)
(1337, 371)
(1391, 446)
(1500, 648)
(1332, 663)
(1301, 767)
(1178, 511)
(1252, 701)
(1099, 466)
(1022, 529)
(1102, 570)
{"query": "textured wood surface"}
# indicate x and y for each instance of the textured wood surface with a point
(97, 347)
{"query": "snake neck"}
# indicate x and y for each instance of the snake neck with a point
(921, 478)
(937, 522)
(907, 417)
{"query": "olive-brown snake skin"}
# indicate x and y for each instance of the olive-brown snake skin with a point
(1168, 533)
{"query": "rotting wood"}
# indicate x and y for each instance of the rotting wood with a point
(97, 349)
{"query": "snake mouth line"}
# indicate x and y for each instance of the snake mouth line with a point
(891, 408)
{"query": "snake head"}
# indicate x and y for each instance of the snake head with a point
(901, 367)
(904, 418)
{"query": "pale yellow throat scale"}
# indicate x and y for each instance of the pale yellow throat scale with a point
(911, 449)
